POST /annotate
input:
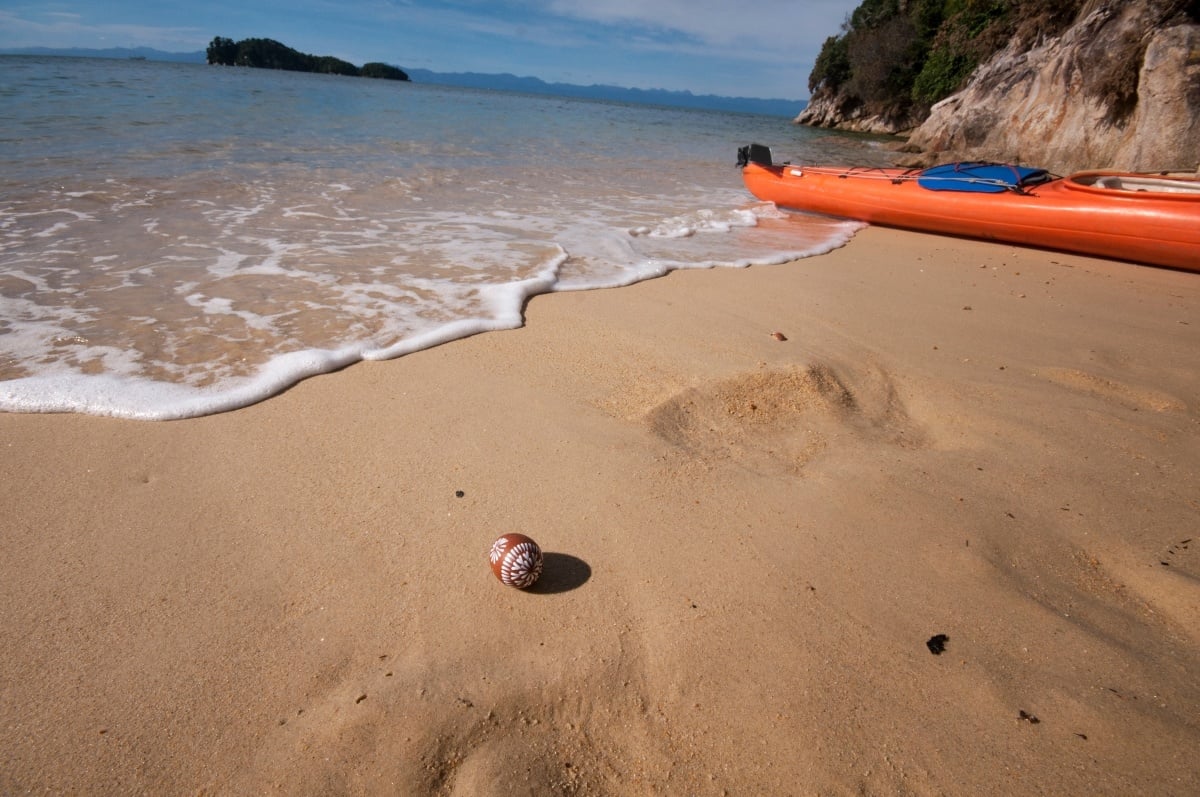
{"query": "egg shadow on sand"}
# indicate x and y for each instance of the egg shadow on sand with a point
(561, 572)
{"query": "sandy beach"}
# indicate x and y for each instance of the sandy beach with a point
(753, 548)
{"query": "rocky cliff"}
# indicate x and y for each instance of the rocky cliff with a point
(1119, 88)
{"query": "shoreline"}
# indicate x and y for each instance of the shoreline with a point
(751, 542)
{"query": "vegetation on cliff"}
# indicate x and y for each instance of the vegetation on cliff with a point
(895, 58)
(1118, 89)
(270, 54)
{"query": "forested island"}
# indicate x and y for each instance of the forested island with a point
(270, 54)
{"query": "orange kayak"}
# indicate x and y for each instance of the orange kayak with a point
(1143, 218)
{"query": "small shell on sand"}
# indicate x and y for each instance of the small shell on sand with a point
(779, 336)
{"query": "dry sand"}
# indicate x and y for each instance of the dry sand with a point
(750, 542)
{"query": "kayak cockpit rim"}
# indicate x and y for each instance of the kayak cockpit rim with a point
(1157, 185)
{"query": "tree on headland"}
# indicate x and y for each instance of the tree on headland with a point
(270, 54)
(222, 51)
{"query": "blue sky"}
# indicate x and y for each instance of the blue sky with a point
(763, 48)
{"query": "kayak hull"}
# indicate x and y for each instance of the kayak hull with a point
(1139, 218)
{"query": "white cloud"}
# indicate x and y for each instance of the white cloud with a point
(69, 30)
(776, 25)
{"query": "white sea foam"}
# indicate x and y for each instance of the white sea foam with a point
(167, 280)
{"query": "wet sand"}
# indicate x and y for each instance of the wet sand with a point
(754, 547)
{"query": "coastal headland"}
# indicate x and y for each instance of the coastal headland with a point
(915, 517)
(1065, 85)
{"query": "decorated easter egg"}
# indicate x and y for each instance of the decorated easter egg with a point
(516, 560)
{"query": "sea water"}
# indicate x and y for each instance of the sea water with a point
(181, 239)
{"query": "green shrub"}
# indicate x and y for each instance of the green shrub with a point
(941, 76)
(832, 68)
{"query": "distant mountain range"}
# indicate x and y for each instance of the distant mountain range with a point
(501, 82)
(138, 53)
(676, 99)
